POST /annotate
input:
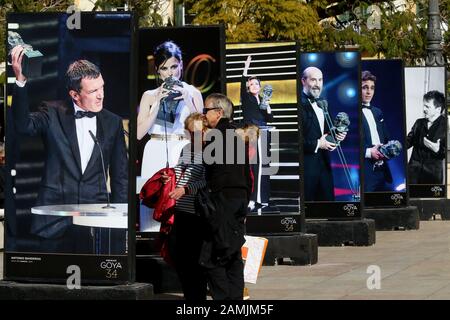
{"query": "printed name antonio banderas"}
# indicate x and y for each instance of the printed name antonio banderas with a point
(244, 310)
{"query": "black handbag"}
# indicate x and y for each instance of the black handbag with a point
(204, 206)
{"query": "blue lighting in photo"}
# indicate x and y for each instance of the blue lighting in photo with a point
(347, 93)
(350, 92)
(349, 55)
(312, 57)
(401, 187)
(347, 59)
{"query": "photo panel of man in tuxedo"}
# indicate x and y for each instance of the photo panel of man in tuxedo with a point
(67, 121)
(383, 137)
(330, 129)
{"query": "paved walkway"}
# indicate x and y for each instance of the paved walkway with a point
(413, 264)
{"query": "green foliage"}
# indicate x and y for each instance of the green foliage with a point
(316, 24)
(147, 11)
(326, 24)
(249, 20)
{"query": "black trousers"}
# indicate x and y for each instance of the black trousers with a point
(226, 282)
(185, 243)
(319, 183)
(429, 171)
(226, 278)
(375, 178)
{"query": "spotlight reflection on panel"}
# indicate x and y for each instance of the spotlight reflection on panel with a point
(347, 59)
(347, 92)
(312, 57)
(313, 60)
(351, 93)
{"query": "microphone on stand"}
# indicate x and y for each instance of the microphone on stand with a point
(108, 204)
(340, 125)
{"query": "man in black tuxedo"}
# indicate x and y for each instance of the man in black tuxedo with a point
(318, 177)
(377, 175)
(427, 138)
(73, 167)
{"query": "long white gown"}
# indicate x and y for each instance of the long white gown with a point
(158, 151)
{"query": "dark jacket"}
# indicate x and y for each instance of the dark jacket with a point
(250, 107)
(62, 181)
(221, 176)
(316, 163)
(426, 166)
(230, 188)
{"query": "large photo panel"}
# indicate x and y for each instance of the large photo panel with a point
(329, 108)
(261, 82)
(68, 112)
(177, 69)
(383, 133)
(426, 131)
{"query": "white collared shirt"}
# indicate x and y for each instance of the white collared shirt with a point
(85, 142)
(375, 138)
(83, 125)
(321, 118)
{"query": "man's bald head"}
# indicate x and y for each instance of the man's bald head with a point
(312, 81)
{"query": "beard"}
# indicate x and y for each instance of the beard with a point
(315, 92)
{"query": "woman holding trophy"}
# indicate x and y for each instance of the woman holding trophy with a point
(163, 110)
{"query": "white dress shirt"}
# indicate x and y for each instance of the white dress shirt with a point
(85, 142)
(321, 118)
(372, 128)
(83, 125)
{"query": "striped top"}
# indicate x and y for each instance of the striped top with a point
(190, 173)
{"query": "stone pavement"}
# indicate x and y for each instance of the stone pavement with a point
(414, 264)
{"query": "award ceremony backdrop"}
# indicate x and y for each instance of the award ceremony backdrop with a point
(277, 190)
(427, 171)
(331, 178)
(40, 246)
(390, 117)
(202, 51)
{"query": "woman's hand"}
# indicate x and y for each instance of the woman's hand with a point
(177, 193)
(185, 93)
(161, 93)
(247, 65)
(165, 178)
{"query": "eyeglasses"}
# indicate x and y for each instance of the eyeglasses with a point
(205, 110)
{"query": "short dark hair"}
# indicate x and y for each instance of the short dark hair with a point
(366, 75)
(253, 78)
(79, 70)
(165, 51)
(437, 97)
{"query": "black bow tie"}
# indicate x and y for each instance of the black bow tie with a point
(81, 114)
(312, 99)
(368, 107)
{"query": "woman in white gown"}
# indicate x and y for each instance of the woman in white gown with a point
(162, 112)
